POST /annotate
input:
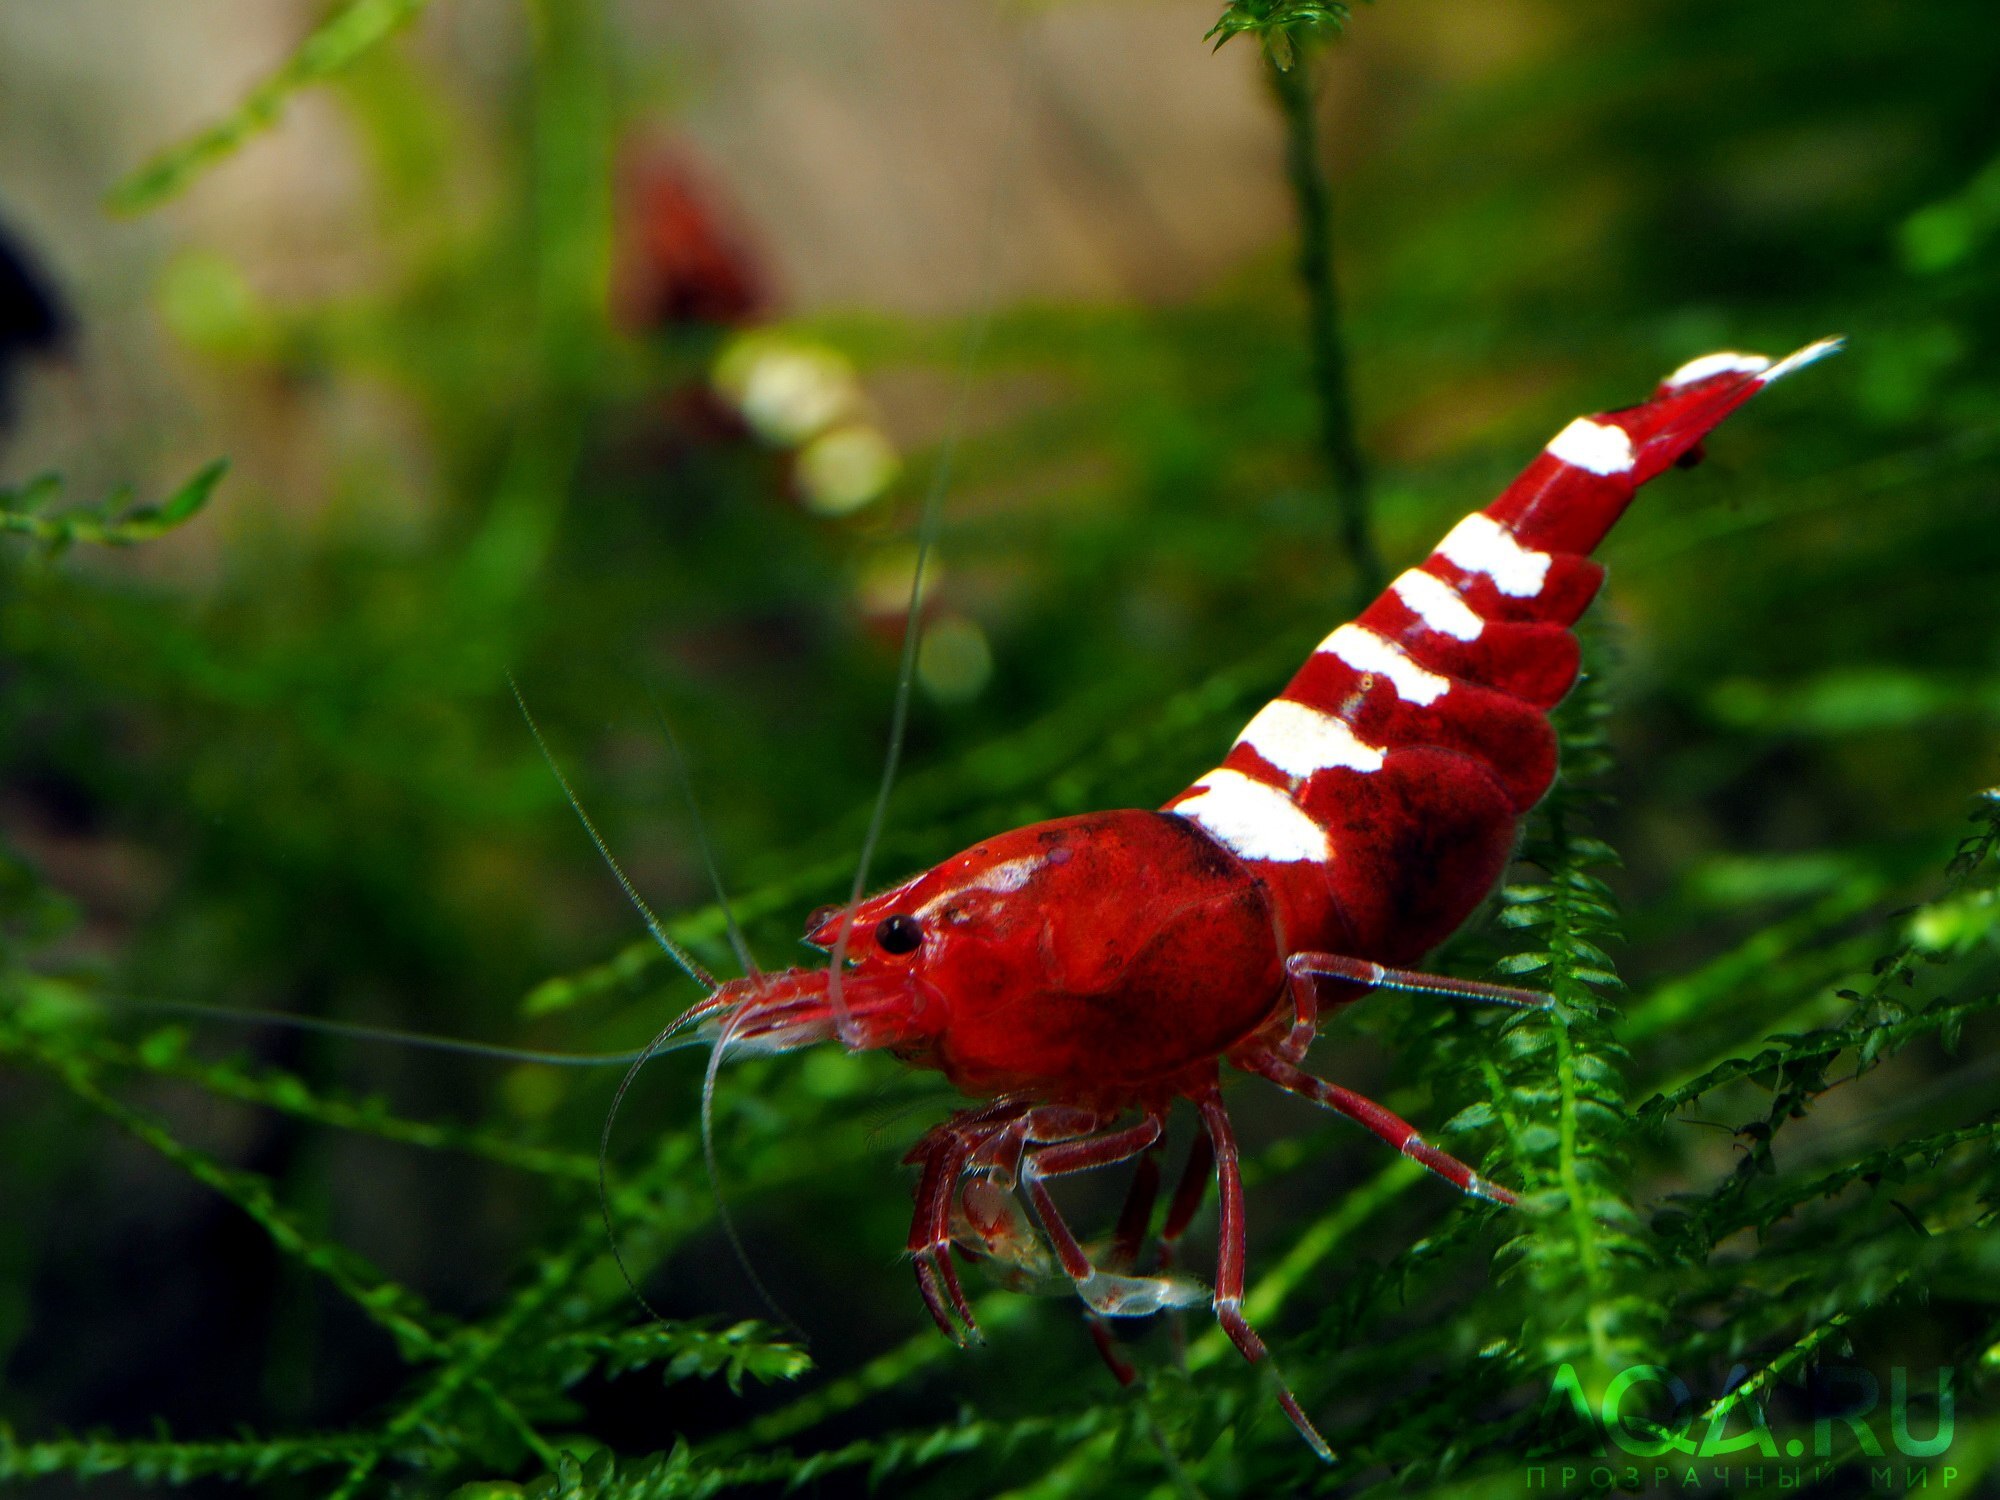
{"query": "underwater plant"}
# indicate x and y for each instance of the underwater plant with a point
(257, 766)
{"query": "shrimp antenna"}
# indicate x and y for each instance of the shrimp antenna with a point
(387, 1034)
(721, 1044)
(701, 1010)
(672, 949)
(686, 778)
(722, 1215)
(928, 521)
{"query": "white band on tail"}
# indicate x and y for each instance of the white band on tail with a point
(1253, 820)
(1710, 365)
(1480, 544)
(1437, 604)
(1600, 447)
(1299, 740)
(1365, 651)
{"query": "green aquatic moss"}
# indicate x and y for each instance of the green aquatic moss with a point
(1754, 1137)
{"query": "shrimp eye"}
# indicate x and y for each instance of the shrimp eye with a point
(899, 934)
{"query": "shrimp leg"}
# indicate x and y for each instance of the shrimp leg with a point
(1230, 1258)
(1392, 1128)
(1106, 1292)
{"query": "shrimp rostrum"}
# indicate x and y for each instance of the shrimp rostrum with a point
(1080, 976)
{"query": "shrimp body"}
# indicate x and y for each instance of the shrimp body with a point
(1081, 975)
(1092, 960)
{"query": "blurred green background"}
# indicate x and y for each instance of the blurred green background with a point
(521, 332)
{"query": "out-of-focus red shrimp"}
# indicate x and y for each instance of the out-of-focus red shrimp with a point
(684, 258)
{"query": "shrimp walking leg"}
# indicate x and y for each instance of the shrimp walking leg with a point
(1107, 1292)
(1230, 1258)
(1128, 1243)
(1304, 968)
(1389, 1126)
(1186, 1202)
(943, 1153)
(1128, 1240)
(1181, 1209)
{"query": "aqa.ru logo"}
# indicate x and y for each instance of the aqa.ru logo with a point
(1842, 1401)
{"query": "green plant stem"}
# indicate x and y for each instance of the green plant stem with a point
(164, 1461)
(272, 1089)
(350, 31)
(1293, 87)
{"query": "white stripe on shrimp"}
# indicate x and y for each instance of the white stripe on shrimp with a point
(1727, 362)
(1480, 544)
(1253, 820)
(1437, 604)
(1365, 651)
(1599, 447)
(1299, 740)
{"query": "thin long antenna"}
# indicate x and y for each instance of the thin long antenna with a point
(928, 520)
(722, 1214)
(705, 1008)
(386, 1034)
(672, 949)
(736, 938)
(699, 1011)
(723, 1036)
(702, 1009)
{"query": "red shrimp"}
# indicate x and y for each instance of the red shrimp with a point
(1080, 976)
